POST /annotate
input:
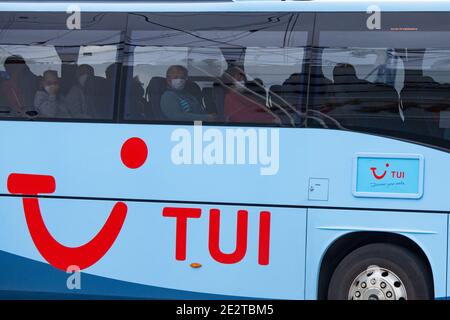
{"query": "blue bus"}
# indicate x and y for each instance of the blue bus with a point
(224, 149)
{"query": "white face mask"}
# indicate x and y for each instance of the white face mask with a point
(178, 84)
(239, 85)
(82, 79)
(49, 88)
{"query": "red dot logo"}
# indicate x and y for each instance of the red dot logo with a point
(134, 153)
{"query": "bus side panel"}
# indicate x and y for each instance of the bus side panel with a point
(142, 260)
(427, 230)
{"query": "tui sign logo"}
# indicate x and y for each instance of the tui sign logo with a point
(388, 175)
(394, 174)
(133, 154)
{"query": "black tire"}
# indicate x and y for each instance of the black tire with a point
(407, 265)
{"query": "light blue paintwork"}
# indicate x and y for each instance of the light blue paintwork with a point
(85, 160)
(144, 252)
(428, 230)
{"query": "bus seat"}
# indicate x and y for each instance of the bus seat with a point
(288, 96)
(218, 94)
(99, 97)
(208, 98)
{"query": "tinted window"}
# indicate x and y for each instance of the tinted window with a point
(50, 72)
(393, 81)
(223, 68)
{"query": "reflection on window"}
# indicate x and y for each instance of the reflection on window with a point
(273, 65)
(399, 92)
(371, 64)
(278, 72)
(99, 57)
(39, 58)
(217, 67)
(241, 85)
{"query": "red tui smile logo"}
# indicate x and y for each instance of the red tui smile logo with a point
(379, 177)
(133, 154)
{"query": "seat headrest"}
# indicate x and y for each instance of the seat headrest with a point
(157, 85)
(295, 79)
(344, 73)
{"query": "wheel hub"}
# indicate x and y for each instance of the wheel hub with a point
(377, 283)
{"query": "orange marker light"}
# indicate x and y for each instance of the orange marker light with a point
(196, 265)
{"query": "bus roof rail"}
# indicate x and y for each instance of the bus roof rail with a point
(267, 0)
(153, 1)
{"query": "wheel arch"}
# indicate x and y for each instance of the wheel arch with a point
(345, 244)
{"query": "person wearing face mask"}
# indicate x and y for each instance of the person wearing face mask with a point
(238, 106)
(78, 98)
(48, 102)
(176, 102)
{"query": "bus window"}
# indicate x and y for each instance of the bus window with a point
(248, 70)
(392, 82)
(362, 85)
(50, 72)
(278, 71)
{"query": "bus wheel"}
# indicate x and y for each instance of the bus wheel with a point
(381, 271)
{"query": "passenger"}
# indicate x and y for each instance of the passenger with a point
(238, 107)
(48, 101)
(19, 88)
(77, 99)
(345, 74)
(347, 89)
(176, 102)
